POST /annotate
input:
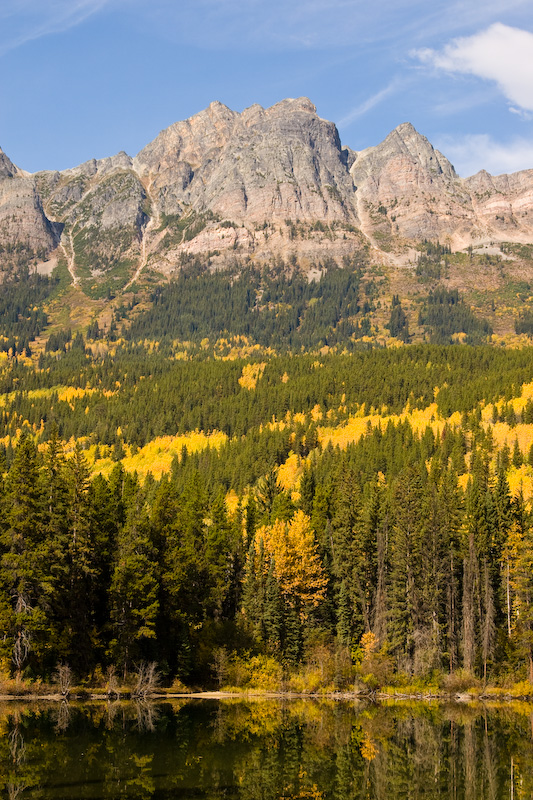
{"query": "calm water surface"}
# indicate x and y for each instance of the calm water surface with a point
(257, 750)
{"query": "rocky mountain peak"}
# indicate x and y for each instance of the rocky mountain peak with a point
(101, 167)
(187, 142)
(260, 164)
(292, 105)
(403, 144)
(7, 168)
(263, 183)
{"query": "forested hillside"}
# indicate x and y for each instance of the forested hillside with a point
(251, 517)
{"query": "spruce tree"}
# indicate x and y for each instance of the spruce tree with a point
(134, 591)
(24, 559)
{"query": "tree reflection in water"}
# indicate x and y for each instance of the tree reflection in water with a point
(63, 717)
(266, 749)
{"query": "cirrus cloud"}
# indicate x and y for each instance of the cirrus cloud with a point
(26, 20)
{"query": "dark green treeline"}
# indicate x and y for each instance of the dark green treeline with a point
(109, 572)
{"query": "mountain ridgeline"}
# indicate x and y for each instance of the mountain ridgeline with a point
(259, 184)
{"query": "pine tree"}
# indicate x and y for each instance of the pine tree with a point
(254, 586)
(452, 504)
(273, 612)
(24, 558)
(184, 576)
(348, 553)
(503, 505)
(55, 491)
(479, 596)
(104, 526)
(517, 458)
(134, 590)
(344, 616)
(292, 637)
(307, 491)
(406, 621)
(519, 554)
(79, 600)
(218, 557)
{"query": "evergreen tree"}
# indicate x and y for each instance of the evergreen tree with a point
(23, 560)
(519, 552)
(407, 620)
(273, 612)
(79, 632)
(55, 491)
(134, 590)
(452, 504)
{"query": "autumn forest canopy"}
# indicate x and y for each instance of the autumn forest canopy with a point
(231, 479)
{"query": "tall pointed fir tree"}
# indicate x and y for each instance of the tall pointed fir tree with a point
(520, 558)
(79, 629)
(134, 591)
(23, 560)
(55, 493)
(406, 617)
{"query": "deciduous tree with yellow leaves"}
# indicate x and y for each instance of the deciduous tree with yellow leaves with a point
(292, 549)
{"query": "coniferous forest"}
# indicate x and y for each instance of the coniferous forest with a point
(262, 497)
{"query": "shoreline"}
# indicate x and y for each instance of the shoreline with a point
(361, 697)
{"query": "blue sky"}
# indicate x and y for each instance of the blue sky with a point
(87, 78)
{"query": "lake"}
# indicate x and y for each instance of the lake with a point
(262, 749)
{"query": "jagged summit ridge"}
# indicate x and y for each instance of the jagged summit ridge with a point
(261, 164)
(261, 183)
(404, 142)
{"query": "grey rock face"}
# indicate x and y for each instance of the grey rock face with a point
(403, 145)
(504, 203)
(264, 182)
(282, 162)
(7, 168)
(410, 188)
(25, 231)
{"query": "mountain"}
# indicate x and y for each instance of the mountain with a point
(264, 183)
(283, 162)
(26, 233)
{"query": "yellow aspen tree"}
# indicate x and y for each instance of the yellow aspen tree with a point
(292, 549)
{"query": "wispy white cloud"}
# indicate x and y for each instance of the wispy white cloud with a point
(500, 53)
(267, 24)
(368, 104)
(471, 153)
(27, 20)
(264, 24)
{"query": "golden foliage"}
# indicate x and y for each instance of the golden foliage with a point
(368, 748)
(289, 473)
(505, 435)
(316, 413)
(521, 479)
(369, 643)
(70, 393)
(232, 502)
(156, 457)
(292, 548)
(251, 373)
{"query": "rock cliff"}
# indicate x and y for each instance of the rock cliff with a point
(261, 183)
